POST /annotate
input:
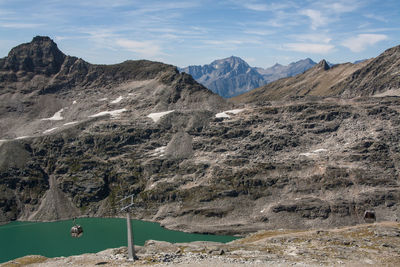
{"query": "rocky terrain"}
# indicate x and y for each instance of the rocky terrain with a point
(363, 245)
(232, 76)
(76, 137)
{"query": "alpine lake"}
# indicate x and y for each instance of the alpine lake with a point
(53, 239)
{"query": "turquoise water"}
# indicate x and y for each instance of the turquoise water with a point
(52, 239)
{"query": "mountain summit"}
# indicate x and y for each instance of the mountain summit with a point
(233, 76)
(37, 80)
(279, 71)
(41, 56)
(227, 77)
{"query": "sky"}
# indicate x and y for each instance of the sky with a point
(197, 32)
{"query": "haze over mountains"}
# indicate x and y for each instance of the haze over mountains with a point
(314, 150)
(232, 76)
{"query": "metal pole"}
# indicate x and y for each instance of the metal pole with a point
(131, 245)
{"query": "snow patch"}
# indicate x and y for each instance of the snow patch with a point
(117, 100)
(56, 117)
(50, 130)
(314, 153)
(307, 154)
(103, 99)
(157, 116)
(74, 102)
(320, 150)
(113, 113)
(22, 137)
(71, 123)
(225, 114)
(159, 151)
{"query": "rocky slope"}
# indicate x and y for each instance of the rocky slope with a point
(232, 76)
(143, 128)
(374, 77)
(44, 92)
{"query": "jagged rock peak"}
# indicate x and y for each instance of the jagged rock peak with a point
(40, 56)
(231, 61)
(42, 39)
(323, 65)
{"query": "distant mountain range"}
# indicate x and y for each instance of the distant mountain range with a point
(374, 77)
(232, 76)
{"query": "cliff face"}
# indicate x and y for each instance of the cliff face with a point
(142, 128)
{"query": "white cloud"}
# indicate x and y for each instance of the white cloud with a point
(314, 38)
(230, 42)
(152, 7)
(144, 48)
(309, 48)
(316, 17)
(342, 7)
(17, 25)
(256, 6)
(361, 41)
(259, 32)
(376, 17)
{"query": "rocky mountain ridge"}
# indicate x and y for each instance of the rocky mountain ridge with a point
(279, 71)
(372, 77)
(232, 76)
(194, 161)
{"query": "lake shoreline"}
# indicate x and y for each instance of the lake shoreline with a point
(366, 244)
(52, 239)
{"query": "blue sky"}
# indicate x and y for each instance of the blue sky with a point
(197, 32)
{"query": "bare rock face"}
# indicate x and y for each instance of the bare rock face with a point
(180, 146)
(193, 161)
(41, 56)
